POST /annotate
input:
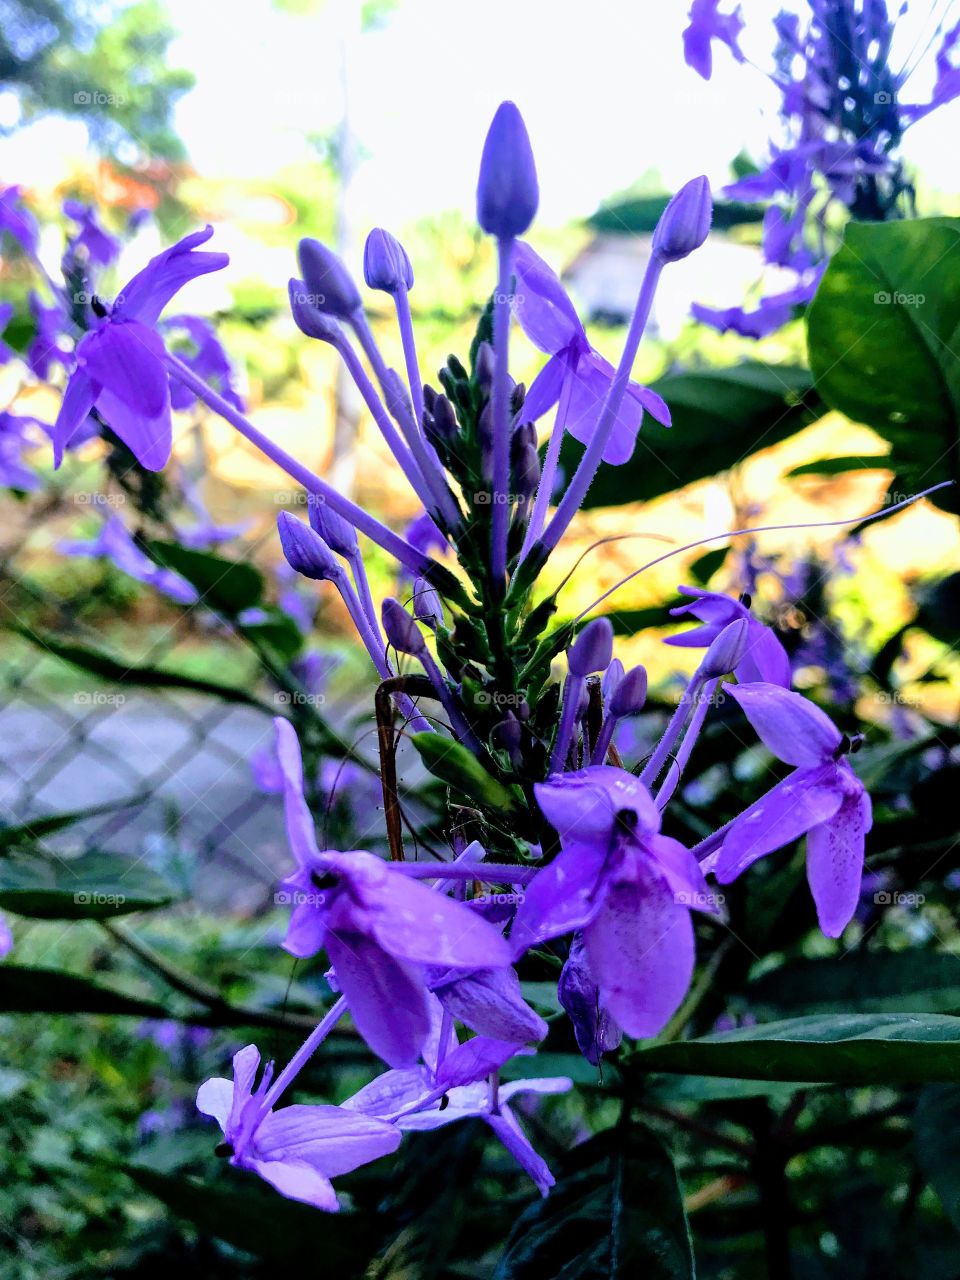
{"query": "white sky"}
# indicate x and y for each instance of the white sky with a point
(602, 86)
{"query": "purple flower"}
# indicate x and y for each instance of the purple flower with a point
(6, 939)
(489, 1002)
(120, 364)
(115, 544)
(297, 1149)
(626, 887)
(44, 349)
(575, 375)
(96, 243)
(14, 473)
(596, 1031)
(765, 657)
(420, 1099)
(378, 928)
(707, 24)
(18, 221)
(507, 189)
(206, 358)
(823, 798)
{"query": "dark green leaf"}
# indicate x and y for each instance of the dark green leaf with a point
(719, 418)
(886, 1048)
(95, 886)
(629, 622)
(839, 466)
(278, 631)
(49, 824)
(866, 982)
(884, 336)
(639, 215)
(616, 1213)
(460, 769)
(24, 989)
(705, 566)
(228, 586)
(936, 1133)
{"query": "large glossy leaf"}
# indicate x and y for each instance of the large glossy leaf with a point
(95, 886)
(866, 982)
(616, 1213)
(884, 341)
(891, 1048)
(936, 1133)
(720, 417)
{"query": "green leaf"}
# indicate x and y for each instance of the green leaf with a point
(254, 1218)
(891, 1048)
(936, 1136)
(278, 631)
(95, 886)
(616, 1213)
(884, 336)
(49, 824)
(866, 982)
(228, 586)
(705, 566)
(629, 622)
(719, 418)
(24, 989)
(460, 769)
(639, 215)
(840, 466)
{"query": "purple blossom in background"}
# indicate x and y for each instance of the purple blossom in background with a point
(14, 438)
(120, 364)
(17, 220)
(627, 888)
(115, 544)
(6, 938)
(206, 357)
(707, 24)
(576, 375)
(843, 121)
(297, 1149)
(764, 658)
(823, 798)
(44, 350)
(92, 241)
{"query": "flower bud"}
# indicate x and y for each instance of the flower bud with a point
(727, 650)
(484, 367)
(306, 316)
(508, 734)
(507, 192)
(526, 471)
(685, 222)
(385, 263)
(445, 420)
(611, 679)
(426, 604)
(306, 551)
(593, 648)
(630, 694)
(329, 283)
(400, 629)
(337, 533)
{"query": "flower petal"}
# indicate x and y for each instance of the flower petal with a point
(78, 400)
(332, 1140)
(788, 810)
(127, 359)
(545, 313)
(391, 1091)
(589, 386)
(146, 295)
(683, 874)
(583, 805)
(387, 998)
(789, 725)
(297, 1182)
(562, 898)
(489, 1002)
(507, 1128)
(301, 832)
(835, 866)
(545, 389)
(641, 951)
(474, 1060)
(420, 924)
(215, 1098)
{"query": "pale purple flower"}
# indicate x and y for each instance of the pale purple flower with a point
(297, 1149)
(96, 244)
(823, 798)
(115, 544)
(626, 887)
(44, 349)
(765, 657)
(120, 364)
(17, 220)
(14, 438)
(576, 375)
(206, 357)
(707, 24)
(378, 928)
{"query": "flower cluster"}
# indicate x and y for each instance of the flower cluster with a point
(569, 863)
(843, 118)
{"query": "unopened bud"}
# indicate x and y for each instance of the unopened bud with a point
(385, 263)
(328, 280)
(308, 318)
(306, 551)
(426, 604)
(685, 222)
(630, 694)
(507, 191)
(593, 648)
(339, 534)
(400, 629)
(727, 650)
(484, 367)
